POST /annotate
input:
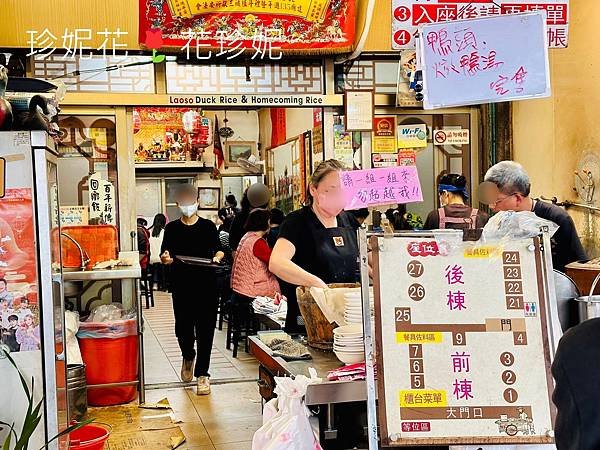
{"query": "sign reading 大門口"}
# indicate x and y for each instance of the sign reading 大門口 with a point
(461, 342)
(476, 61)
(382, 186)
(408, 15)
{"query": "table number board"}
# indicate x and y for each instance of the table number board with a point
(462, 342)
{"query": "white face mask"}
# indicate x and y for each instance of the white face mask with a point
(188, 210)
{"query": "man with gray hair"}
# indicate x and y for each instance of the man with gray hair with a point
(507, 188)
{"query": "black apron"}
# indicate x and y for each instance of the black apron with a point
(336, 261)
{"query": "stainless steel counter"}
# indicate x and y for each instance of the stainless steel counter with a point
(119, 273)
(326, 392)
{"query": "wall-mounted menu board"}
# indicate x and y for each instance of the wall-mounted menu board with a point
(463, 354)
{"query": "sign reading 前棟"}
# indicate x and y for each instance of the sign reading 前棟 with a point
(476, 61)
(408, 15)
(383, 186)
(462, 342)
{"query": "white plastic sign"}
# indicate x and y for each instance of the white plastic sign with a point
(476, 61)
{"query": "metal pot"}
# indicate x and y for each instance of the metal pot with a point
(589, 306)
(566, 293)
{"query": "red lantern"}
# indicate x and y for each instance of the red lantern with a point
(137, 121)
(191, 121)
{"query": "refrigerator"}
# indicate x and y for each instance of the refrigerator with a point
(31, 300)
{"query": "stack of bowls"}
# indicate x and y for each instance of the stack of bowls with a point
(353, 312)
(348, 343)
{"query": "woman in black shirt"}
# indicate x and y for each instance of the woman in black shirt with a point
(317, 244)
(194, 287)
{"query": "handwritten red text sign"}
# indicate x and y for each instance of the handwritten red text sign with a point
(476, 61)
(374, 187)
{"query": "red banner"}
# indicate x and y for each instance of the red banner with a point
(278, 126)
(265, 27)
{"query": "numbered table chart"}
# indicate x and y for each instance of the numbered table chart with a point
(461, 337)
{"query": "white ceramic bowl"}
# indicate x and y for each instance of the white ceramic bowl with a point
(348, 331)
(350, 358)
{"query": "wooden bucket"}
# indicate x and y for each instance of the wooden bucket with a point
(318, 329)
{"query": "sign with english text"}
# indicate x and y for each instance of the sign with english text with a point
(383, 186)
(462, 335)
(476, 61)
(408, 15)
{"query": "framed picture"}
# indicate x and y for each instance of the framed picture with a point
(209, 198)
(239, 149)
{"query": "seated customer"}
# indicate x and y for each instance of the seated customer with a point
(250, 276)
(511, 189)
(454, 212)
(576, 370)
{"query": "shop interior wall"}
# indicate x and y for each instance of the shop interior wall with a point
(550, 136)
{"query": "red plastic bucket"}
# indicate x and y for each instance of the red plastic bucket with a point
(89, 437)
(110, 361)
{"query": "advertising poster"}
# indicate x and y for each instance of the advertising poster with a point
(342, 146)
(19, 312)
(384, 135)
(412, 136)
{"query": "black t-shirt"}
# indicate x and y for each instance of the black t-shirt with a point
(297, 227)
(200, 240)
(237, 230)
(566, 246)
(576, 394)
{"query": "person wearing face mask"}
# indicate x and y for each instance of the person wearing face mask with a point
(454, 213)
(317, 244)
(194, 287)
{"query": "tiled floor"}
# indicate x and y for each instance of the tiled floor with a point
(224, 420)
(162, 355)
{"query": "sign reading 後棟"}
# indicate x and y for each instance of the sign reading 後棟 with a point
(462, 342)
(408, 15)
(384, 186)
(476, 61)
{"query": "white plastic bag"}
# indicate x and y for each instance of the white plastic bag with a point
(289, 428)
(71, 329)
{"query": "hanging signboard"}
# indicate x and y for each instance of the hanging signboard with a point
(412, 136)
(476, 61)
(462, 353)
(451, 136)
(408, 15)
(265, 28)
(375, 187)
(384, 135)
(101, 200)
